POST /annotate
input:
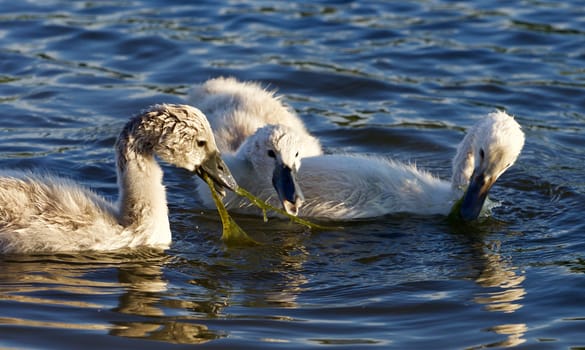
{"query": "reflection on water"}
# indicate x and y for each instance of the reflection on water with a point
(403, 79)
(514, 333)
(141, 303)
(67, 280)
(176, 332)
(145, 289)
(277, 281)
(504, 292)
(51, 324)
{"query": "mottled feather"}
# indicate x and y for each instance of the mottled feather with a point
(43, 213)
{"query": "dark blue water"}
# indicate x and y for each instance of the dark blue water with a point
(385, 77)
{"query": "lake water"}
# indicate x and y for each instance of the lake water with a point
(382, 77)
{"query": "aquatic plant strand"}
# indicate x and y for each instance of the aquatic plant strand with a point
(232, 233)
(265, 206)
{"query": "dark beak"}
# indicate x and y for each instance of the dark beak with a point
(475, 196)
(218, 171)
(289, 193)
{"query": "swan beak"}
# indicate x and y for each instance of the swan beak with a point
(218, 171)
(475, 195)
(289, 193)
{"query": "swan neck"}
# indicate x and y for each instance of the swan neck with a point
(463, 162)
(142, 202)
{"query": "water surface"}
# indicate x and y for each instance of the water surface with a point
(387, 78)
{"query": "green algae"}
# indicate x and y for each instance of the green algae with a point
(265, 206)
(232, 234)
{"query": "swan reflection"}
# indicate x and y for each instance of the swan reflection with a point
(129, 294)
(53, 281)
(503, 293)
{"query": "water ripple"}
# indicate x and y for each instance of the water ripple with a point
(400, 80)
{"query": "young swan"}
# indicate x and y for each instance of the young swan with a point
(267, 165)
(343, 187)
(262, 140)
(237, 109)
(48, 214)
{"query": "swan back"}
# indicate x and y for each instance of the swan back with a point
(237, 109)
(357, 186)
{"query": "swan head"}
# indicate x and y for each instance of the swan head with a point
(275, 152)
(496, 143)
(179, 135)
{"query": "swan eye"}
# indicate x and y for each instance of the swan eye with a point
(481, 153)
(297, 154)
(201, 143)
(271, 153)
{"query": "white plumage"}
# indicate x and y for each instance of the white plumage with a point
(345, 187)
(262, 140)
(41, 213)
(237, 109)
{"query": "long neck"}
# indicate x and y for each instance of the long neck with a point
(464, 161)
(143, 205)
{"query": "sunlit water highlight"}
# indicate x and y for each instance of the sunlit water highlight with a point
(390, 78)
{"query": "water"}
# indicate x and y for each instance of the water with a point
(391, 78)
